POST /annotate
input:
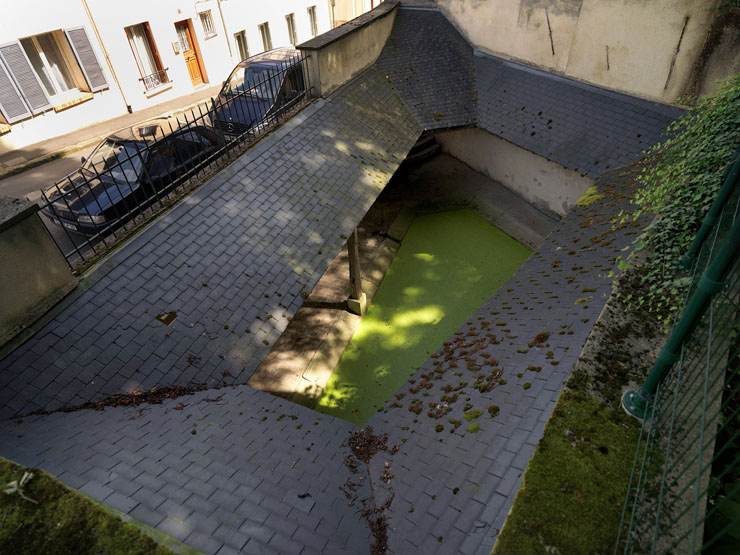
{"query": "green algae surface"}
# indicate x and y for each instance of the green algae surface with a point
(448, 265)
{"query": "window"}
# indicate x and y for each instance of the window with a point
(49, 64)
(312, 19)
(241, 45)
(47, 70)
(207, 22)
(292, 36)
(182, 37)
(266, 38)
(122, 161)
(147, 58)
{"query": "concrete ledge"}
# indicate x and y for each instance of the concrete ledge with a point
(13, 210)
(33, 275)
(346, 51)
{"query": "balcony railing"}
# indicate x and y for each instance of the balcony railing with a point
(155, 79)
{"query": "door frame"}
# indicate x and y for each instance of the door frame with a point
(195, 46)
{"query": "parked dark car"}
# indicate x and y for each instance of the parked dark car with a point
(128, 172)
(257, 88)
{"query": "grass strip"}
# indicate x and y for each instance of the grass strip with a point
(64, 521)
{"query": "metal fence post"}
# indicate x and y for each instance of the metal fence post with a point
(636, 402)
(731, 179)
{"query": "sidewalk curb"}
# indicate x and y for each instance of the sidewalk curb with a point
(48, 157)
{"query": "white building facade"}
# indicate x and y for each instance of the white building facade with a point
(71, 63)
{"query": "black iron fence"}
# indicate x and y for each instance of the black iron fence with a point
(684, 493)
(136, 173)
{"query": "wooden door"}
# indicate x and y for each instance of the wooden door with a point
(189, 54)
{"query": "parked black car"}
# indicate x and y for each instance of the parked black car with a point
(257, 88)
(128, 172)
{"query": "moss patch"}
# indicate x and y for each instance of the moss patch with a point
(573, 490)
(63, 521)
(589, 197)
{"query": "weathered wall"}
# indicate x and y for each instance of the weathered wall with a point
(545, 184)
(625, 45)
(344, 52)
(33, 274)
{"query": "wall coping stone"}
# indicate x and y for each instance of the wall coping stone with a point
(13, 210)
(350, 27)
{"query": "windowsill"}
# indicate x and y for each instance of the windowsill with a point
(4, 128)
(83, 97)
(158, 89)
(208, 37)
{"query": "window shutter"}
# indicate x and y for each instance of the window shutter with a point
(28, 84)
(86, 57)
(11, 101)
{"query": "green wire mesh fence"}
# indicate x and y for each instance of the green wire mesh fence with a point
(684, 494)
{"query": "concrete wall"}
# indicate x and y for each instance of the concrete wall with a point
(33, 274)
(545, 184)
(625, 45)
(344, 52)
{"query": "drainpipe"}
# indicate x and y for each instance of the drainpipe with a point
(637, 402)
(226, 33)
(105, 53)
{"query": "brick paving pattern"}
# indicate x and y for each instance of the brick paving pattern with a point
(237, 470)
(233, 257)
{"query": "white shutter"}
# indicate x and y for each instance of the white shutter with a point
(24, 76)
(12, 104)
(86, 57)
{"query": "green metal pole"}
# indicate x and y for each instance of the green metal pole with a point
(636, 402)
(728, 186)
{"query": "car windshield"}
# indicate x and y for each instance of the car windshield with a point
(260, 82)
(119, 160)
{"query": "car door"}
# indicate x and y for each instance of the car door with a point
(163, 166)
(193, 147)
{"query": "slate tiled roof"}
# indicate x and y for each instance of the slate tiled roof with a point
(579, 126)
(431, 66)
(446, 84)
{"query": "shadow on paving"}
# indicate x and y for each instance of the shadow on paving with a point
(233, 257)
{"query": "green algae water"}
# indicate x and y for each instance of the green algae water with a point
(448, 265)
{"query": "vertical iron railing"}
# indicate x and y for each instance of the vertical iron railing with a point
(89, 211)
(684, 494)
(155, 80)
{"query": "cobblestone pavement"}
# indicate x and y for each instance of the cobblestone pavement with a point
(234, 469)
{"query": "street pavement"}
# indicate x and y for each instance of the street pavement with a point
(234, 469)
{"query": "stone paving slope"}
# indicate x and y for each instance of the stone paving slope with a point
(233, 257)
(579, 126)
(453, 487)
(431, 66)
(224, 471)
